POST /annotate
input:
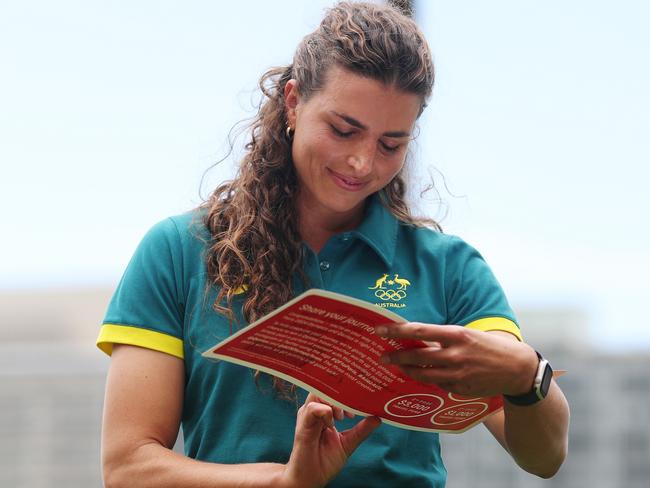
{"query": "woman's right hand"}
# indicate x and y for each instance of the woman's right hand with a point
(142, 413)
(319, 450)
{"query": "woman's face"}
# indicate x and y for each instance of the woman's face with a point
(350, 140)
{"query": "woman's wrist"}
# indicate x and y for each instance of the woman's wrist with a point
(525, 369)
(281, 477)
(286, 478)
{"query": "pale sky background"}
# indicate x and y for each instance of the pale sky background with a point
(110, 112)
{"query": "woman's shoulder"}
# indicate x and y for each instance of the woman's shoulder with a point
(435, 247)
(430, 237)
(179, 232)
(190, 224)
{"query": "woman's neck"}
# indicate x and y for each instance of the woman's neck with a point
(316, 226)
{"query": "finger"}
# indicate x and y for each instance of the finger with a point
(351, 438)
(443, 334)
(316, 415)
(312, 398)
(453, 388)
(425, 356)
(338, 412)
(430, 375)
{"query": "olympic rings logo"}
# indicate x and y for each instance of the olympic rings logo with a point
(393, 295)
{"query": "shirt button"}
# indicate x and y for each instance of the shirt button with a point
(345, 237)
(324, 265)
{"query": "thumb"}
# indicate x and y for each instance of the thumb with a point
(312, 419)
(351, 438)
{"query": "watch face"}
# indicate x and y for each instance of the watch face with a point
(546, 379)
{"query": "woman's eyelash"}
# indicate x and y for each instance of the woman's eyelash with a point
(341, 133)
(389, 148)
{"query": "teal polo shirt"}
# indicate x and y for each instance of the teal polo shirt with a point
(423, 275)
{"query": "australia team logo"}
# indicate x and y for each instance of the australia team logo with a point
(391, 291)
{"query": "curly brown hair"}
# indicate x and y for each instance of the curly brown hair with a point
(252, 219)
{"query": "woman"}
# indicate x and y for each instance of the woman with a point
(318, 202)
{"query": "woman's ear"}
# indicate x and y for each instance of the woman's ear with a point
(291, 99)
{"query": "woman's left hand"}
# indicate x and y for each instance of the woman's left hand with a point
(464, 361)
(475, 363)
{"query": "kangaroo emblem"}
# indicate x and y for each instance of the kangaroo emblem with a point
(401, 281)
(379, 283)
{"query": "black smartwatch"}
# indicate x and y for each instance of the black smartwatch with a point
(540, 385)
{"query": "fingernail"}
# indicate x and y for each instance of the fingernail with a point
(381, 330)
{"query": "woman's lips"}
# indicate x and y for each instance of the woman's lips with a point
(346, 182)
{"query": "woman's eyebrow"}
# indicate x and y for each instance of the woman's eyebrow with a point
(355, 123)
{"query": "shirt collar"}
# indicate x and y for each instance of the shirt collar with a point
(379, 229)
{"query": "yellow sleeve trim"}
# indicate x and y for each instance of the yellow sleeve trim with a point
(240, 290)
(123, 334)
(496, 323)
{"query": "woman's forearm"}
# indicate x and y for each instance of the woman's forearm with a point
(537, 435)
(153, 465)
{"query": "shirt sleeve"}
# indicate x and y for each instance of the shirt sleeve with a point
(474, 297)
(147, 307)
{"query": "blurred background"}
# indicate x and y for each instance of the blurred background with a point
(536, 139)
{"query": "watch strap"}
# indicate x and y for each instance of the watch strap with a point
(540, 387)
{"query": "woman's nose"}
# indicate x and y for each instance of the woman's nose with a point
(362, 159)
